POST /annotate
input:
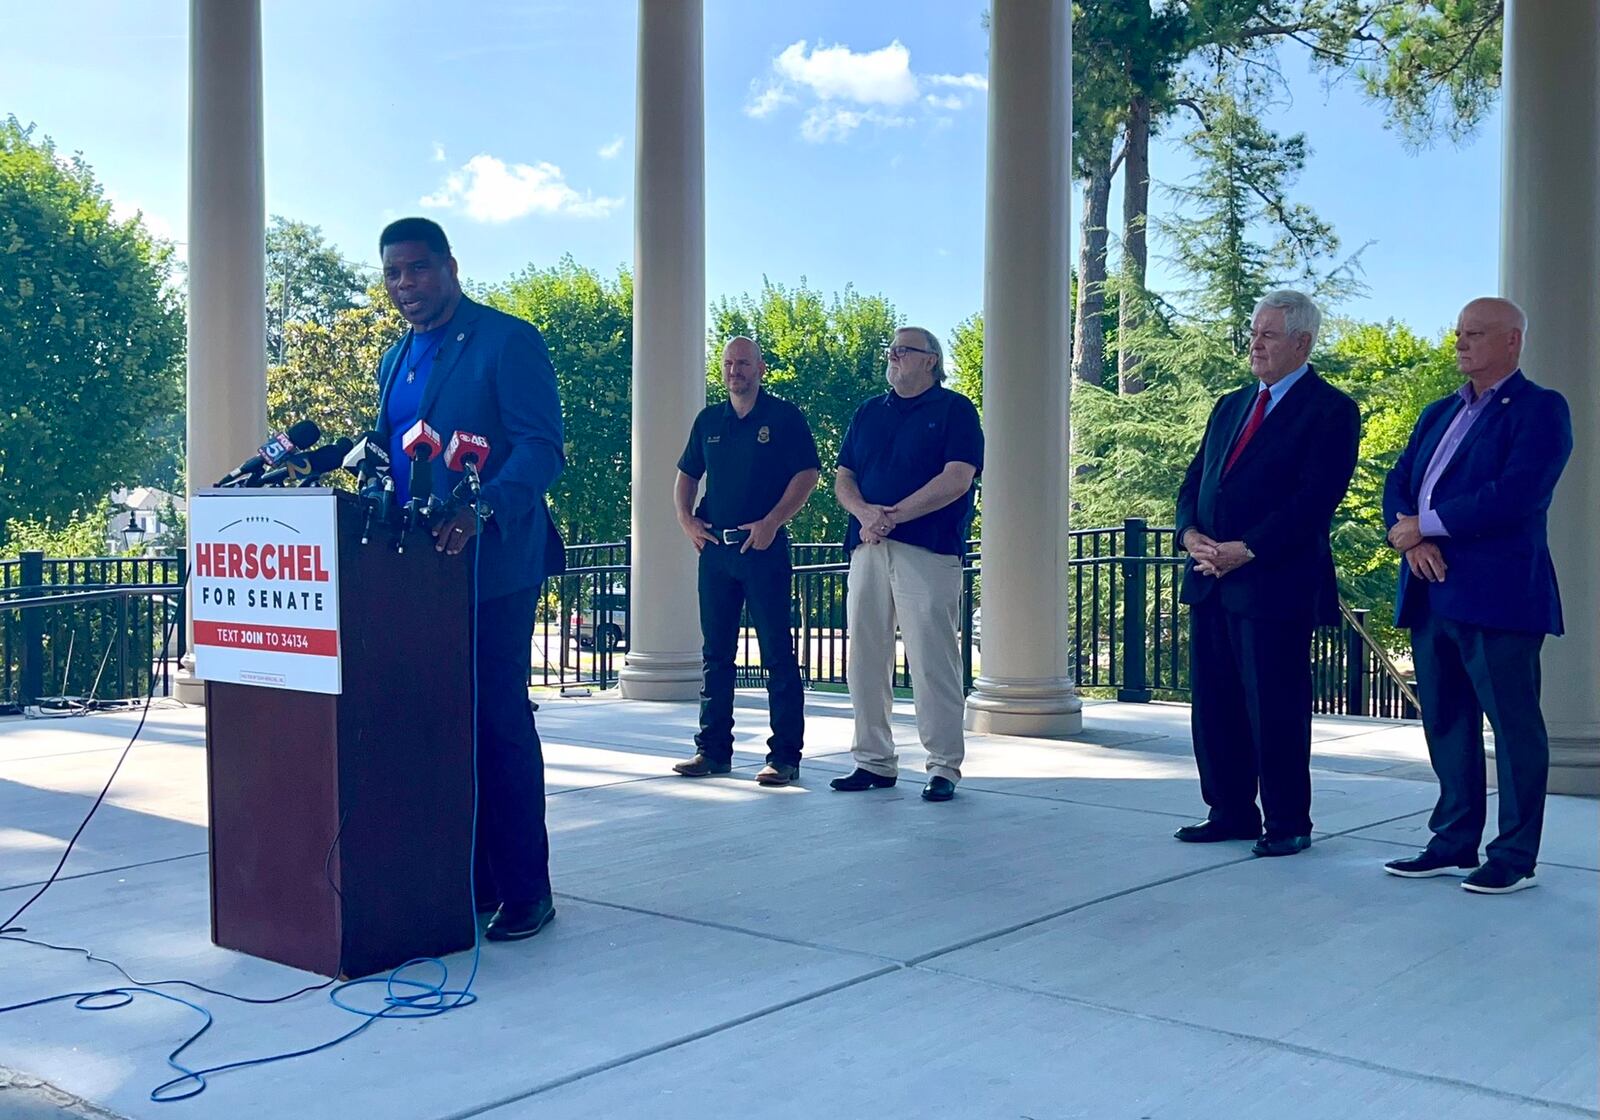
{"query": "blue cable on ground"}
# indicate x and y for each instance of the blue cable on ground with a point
(404, 997)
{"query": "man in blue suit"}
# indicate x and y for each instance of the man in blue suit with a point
(466, 367)
(1466, 506)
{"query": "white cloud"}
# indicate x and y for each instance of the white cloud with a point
(880, 77)
(824, 122)
(611, 150)
(438, 152)
(846, 89)
(487, 189)
(960, 81)
(767, 100)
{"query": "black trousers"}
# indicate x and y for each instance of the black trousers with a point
(1465, 672)
(513, 848)
(1251, 718)
(730, 581)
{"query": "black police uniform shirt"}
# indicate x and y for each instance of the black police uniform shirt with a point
(747, 462)
(896, 445)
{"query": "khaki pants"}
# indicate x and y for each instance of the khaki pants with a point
(921, 590)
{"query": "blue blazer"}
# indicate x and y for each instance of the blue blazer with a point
(1493, 499)
(492, 376)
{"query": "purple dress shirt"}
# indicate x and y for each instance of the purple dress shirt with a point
(1473, 407)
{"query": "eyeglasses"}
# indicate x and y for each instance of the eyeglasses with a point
(902, 351)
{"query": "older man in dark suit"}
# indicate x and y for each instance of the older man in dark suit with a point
(1254, 514)
(1466, 506)
(466, 367)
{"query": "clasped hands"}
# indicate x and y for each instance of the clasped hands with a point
(877, 522)
(1423, 557)
(1216, 558)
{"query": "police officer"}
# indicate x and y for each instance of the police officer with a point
(760, 464)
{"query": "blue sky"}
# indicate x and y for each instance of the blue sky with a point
(844, 141)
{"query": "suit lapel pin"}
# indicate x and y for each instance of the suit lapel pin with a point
(1505, 400)
(462, 336)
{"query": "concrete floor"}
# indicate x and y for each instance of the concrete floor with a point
(1039, 947)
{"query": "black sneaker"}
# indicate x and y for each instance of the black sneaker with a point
(860, 780)
(1497, 878)
(702, 767)
(1426, 864)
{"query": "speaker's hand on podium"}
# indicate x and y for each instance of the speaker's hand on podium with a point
(452, 533)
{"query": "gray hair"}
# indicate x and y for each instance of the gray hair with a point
(1300, 314)
(938, 352)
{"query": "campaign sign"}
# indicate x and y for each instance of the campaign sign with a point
(264, 588)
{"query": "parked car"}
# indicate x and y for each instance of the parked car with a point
(603, 624)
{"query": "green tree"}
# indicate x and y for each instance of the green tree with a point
(307, 282)
(1238, 232)
(824, 356)
(587, 321)
(91, 337)
(82, 534)
(329, 372)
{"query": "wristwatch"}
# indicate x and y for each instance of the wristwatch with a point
(485, 511)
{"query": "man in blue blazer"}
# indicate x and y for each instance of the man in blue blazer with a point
(466, 367)
(1466, 506)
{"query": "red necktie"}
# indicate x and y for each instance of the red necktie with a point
(1257, 414)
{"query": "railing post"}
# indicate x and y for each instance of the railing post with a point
(30, 679)
(180, 632)
(1355, 666)
(1135, 683)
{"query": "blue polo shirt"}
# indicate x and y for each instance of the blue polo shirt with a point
(405, 401)
(749, 461)
(896, 445)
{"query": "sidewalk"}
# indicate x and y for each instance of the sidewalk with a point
(1039, 947)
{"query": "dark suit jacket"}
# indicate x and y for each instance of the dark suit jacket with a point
(492, 376)
(1493, 499)
(1279, 499)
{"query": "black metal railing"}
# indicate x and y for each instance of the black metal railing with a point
(91, 627)
(1128, 633)
(77, 632)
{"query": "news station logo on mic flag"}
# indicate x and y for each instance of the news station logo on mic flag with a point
(264, 589)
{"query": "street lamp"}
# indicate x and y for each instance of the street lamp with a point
(132, 532)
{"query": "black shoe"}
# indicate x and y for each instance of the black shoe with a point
(702, 767)
(938, 789)
(1280, 845)
(860, 780)
(1210, 832)
(1497, 878)
(1426, 864)
(513, 923)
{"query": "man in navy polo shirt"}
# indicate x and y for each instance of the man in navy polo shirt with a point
(760, 464)
(905, 476)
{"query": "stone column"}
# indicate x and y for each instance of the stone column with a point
(1550, 265)
(227, 381)
(1025, 686)
(669, 345)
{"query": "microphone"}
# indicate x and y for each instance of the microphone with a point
(467, 453)
(368, 459)
(421, 445)
(307, 466)
(305, 433)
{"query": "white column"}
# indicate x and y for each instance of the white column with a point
(227, 380)
(1025, 686)
(1550, 265)
(669, 345)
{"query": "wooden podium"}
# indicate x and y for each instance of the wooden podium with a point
(341, 825)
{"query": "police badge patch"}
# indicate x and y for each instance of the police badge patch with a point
(764, 434)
